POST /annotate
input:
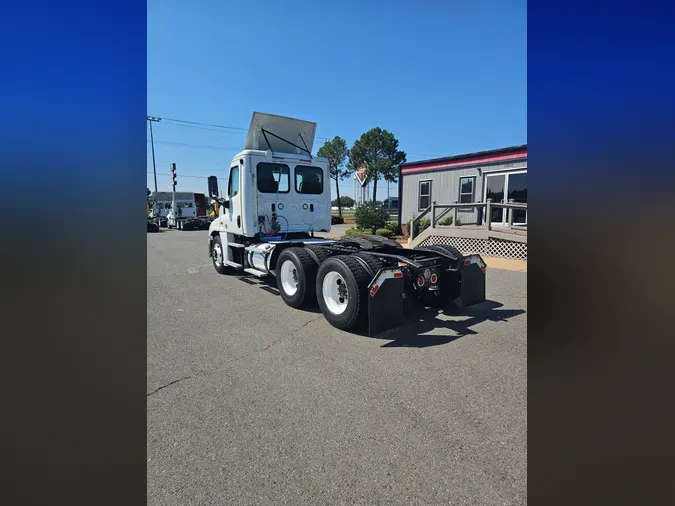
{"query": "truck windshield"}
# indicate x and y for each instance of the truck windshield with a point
(308, 180)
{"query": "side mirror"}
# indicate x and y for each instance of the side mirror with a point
(226, 204)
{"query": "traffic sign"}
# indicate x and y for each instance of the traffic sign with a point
(360, 175)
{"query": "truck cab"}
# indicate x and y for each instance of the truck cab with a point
(276, 189)
(181, 208)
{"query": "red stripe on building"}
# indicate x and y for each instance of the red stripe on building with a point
(460, 163)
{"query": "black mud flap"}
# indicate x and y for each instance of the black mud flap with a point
(473, 281)
(385, 300)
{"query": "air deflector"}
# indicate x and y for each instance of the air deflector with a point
(280, 134)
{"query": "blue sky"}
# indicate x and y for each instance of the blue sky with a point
(445, 77)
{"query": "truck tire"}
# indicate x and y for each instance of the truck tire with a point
(320, 253)
(218, 256)
(296, 273)
(188, 227)
(374, 263)
(444, 248)
(342, 291)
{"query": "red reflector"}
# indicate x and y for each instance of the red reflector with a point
(482, 269)
(467, 262)
(434, 278)
(398, 274)
(420, 281)
(374, 290)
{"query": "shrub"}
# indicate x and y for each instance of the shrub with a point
(420, 226)
(384, 232)
(446, 222)
(390, 225)
(371, 216)
(352, 231)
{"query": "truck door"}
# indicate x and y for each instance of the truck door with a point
(232, 214)
(273, 193)
(310, 185)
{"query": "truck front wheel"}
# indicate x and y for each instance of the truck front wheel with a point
(296, 272)
(218, 256)
(342, 291)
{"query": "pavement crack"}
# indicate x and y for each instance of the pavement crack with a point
(167, 385)
(308, 322)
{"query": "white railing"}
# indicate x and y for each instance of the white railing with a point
(487, 222)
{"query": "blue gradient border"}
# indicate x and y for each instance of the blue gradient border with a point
(601, 163)
(72, 159)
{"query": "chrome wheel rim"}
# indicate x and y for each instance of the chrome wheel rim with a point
(335, 293)
(217, 254)
(289, 278)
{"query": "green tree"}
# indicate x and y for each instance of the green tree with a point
(371, 216)
(344, 201)
(377, 150)
(336, 152)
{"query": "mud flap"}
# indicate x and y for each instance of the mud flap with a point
(472, 289)
(385, 300)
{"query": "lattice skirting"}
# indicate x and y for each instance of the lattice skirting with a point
(488, 247)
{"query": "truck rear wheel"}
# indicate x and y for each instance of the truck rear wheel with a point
(342, 291)
(296, 272)
(218, 256)
(444, 248)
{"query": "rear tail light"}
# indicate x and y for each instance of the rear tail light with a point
(434, 278)
(420, 281)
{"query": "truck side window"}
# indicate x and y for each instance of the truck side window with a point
(308, 180)
(233, 183)
(273, 178)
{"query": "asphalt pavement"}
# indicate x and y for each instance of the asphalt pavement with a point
(252, 402)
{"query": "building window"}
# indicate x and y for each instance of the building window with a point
(424, 195)
(467, 186)
(308, 180)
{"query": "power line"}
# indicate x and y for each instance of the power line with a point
(177, 175)
(204, 124)
(197, 146)
(237, 130)
(200, 123)
(206, 128)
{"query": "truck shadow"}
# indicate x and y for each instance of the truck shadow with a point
(269, 285)
(420, 321)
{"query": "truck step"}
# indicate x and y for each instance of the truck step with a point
(232, 264)
(255, 272)
(235, 245)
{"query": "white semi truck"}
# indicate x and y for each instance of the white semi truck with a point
(278, 195)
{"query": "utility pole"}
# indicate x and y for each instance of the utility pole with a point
(173, 196)
(151, 120)
(388, 198)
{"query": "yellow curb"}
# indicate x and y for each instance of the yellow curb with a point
(507, 264)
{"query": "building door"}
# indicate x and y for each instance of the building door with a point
(503, 188)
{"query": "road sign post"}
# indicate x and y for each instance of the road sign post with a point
(362, 178)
